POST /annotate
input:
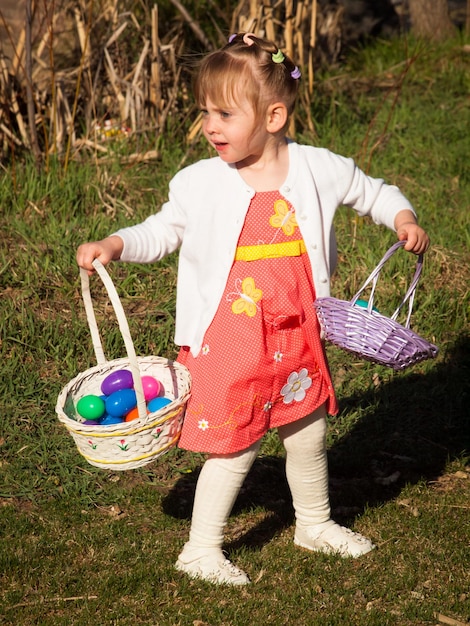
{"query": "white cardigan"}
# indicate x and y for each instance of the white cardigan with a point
(206, 210)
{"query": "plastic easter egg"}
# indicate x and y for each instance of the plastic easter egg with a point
(364, 304)
(157, 403)
(151, 386)
(91, 407)
(91, 423)
(120, 379)
(121, 402)
(132, 415)
(108, 420)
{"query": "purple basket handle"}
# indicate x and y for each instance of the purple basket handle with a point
(374, 276)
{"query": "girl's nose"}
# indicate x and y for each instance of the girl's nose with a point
(210, 124)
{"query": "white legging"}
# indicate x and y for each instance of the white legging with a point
(222, 476)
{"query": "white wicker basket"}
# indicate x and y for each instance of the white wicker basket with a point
(130, 444)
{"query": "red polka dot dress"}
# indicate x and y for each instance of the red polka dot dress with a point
(262, 363)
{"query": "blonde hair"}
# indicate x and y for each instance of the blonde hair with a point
(245, 68)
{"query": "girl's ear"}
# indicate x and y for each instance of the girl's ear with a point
(277, 117)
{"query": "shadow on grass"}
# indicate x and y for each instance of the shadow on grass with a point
(419, 424)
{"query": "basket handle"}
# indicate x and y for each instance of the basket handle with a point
(123, 327)
(374, 276)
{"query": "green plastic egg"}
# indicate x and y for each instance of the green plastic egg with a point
(91, 407)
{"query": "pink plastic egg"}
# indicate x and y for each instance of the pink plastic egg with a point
(151, 386)
(121, 402)
(120, 379)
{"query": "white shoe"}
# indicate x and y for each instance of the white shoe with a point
(210, 564)
(332, 539)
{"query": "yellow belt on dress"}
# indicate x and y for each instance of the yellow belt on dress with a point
(270, 250)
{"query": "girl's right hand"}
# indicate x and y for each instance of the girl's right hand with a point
(106, 250)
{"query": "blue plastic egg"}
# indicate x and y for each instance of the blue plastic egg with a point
(364, 304)
(120, 379)
(121, 402)
(108, 420)
(157, 403)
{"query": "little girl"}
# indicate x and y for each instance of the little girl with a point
(255, 230)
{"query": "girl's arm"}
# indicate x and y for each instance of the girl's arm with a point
(408, 228)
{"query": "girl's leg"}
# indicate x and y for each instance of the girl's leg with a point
(217, 489)
(307, 475)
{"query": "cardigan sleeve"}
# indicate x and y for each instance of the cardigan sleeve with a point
(365, 194)
(161, 233)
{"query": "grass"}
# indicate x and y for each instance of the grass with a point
(81, 545)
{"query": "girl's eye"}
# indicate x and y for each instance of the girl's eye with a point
(224, 114)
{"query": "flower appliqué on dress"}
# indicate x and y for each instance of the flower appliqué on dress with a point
(296, 386)
(203, 424)
(278, 356)
(205, 349)
(283, 218)
(249, 296)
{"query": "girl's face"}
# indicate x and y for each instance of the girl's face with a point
(234, 133)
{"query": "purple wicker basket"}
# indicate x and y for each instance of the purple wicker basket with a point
(365, 332)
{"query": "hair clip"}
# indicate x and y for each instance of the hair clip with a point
(296, 74)
(278, 57)
(247, 38)
(232, 37)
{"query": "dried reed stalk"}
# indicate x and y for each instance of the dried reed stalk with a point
(197, 30)
(8, 88)
(29, 87)
(137, 96)
(143, 95)
(114, 83)
(10, 135)
(18, 61)
(83, 38)
(311, 47)
(155, 86)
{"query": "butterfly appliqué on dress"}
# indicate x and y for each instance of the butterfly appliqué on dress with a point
(249, 296)
(283, 218)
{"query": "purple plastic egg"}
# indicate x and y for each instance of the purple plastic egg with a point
(121, 402)
(157, 403)
(151, 386)
(120, 379)
(91, 422)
